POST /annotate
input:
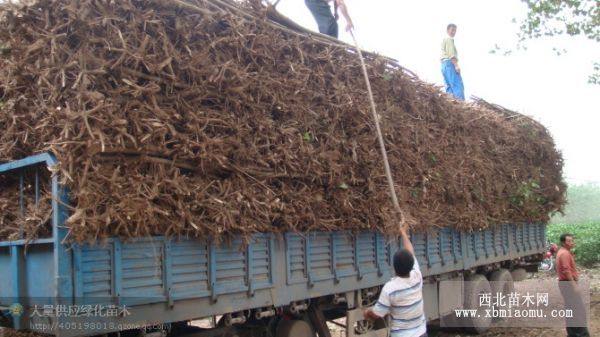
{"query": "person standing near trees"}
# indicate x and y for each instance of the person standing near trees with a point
(327, 21)
(450, 68)
(568, 279)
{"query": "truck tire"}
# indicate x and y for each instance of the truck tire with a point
(519, 274)
(476, 284)
(294, 328)
(501, 281)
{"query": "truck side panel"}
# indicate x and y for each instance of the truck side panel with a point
(174, 280)
(170, 280)
(157, 269)
(505, 242)
(5, 276)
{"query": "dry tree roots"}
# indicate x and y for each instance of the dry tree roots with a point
(201, 118)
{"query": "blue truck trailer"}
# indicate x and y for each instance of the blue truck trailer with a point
(285, 285)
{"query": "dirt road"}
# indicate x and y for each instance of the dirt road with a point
(594, 327)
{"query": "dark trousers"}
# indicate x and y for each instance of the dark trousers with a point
(322, 13)
(576, 326)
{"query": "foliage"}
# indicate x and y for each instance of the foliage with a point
(561, 17)
(595, 77)
(587, 240)
(528, 195)
(557, 17)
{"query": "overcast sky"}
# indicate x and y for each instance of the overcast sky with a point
(553, 89)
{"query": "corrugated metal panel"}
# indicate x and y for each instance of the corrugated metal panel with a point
(433, 248)
(344, 254)
(477, 244)
(418, 241)
(142, 269)
(96, 271)
(320, 256)
(261, 260)
(517, 237)
(384, 254)
(488, 243)
(458, 245)
(189, 269)
(527, 237)
(295, 252)
(445, 242)
(230, 266)
(366, 252)
(500, 238)
(541, 228)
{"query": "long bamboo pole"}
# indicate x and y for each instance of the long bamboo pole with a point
(386, 163)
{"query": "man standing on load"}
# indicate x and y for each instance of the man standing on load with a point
(568, 279)
(327, 21)
(402, 296)
(450, 68)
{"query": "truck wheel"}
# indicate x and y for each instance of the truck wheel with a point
(476, 285)
(519, 274)
(501, 281)
(294, 328)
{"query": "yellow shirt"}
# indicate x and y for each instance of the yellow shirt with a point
(449, 49)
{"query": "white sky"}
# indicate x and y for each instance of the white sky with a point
(553, 89)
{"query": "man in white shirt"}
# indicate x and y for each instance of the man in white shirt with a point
(402, 296)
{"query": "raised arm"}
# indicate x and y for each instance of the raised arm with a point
(406, 241)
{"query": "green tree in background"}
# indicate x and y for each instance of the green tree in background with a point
(557, 17)
(587, 240)
(582, 219)
(562, 17)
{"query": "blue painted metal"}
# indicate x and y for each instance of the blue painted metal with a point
(78, 273)
(250, 268)
(37, 186)
(117, 271)
(271, 257)
(442, 244)
(21, 193)
(25, 242)
(358, 266)
(62, 254)
(171, 280)
(167, 274)
(212, 271)
(455, 247)
(47, 158)
(296, 258)
(485, 235)
(17, 265)
(307, 261)
(333, 256)
(378, 255)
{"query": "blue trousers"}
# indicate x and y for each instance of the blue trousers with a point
(322, 13)
(454, 82)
